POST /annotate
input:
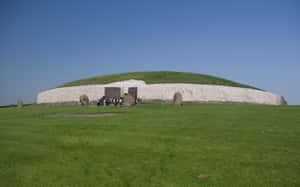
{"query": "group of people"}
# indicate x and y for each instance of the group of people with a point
(114, 101)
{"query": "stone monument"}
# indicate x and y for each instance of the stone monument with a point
(84, 100)
(177, 99)
(20, 103)
(128, 100)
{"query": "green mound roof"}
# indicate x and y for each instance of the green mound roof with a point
(158, 77)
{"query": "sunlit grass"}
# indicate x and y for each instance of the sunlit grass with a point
(151, 145)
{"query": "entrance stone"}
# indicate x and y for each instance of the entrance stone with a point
(128, 100)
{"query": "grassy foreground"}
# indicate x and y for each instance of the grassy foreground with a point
(151, 145)
(155, 77)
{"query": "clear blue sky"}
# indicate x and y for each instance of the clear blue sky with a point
(46, 43)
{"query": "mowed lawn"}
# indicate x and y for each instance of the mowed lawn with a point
(151, 145)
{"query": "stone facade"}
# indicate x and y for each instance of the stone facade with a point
(191, 93)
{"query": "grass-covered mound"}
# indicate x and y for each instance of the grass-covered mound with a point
(151, 145)
(158, 77)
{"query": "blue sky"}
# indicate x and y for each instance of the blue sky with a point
(46, 43)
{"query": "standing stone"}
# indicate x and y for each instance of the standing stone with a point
(177, 99)
(20, 103)
(283, 101)
(84, 100)
(128, 100)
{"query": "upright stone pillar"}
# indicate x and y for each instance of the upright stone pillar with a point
(177, 99)
(20, 103)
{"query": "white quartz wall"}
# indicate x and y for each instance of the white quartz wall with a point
(70, 94)
(208, 93)
(190, 93)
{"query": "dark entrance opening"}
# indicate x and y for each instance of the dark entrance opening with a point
(111, 92)
(133, 91)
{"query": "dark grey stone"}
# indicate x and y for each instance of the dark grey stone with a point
(177, 99)
(111, 92)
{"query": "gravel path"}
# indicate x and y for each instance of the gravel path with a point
(83, 115)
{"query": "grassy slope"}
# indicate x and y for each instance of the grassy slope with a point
(154, 145)
(158, 77)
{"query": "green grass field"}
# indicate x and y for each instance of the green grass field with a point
(151, 145)
(158, 77)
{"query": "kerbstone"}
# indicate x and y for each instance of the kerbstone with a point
(84, 100)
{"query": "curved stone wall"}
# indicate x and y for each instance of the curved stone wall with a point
(164, 92)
